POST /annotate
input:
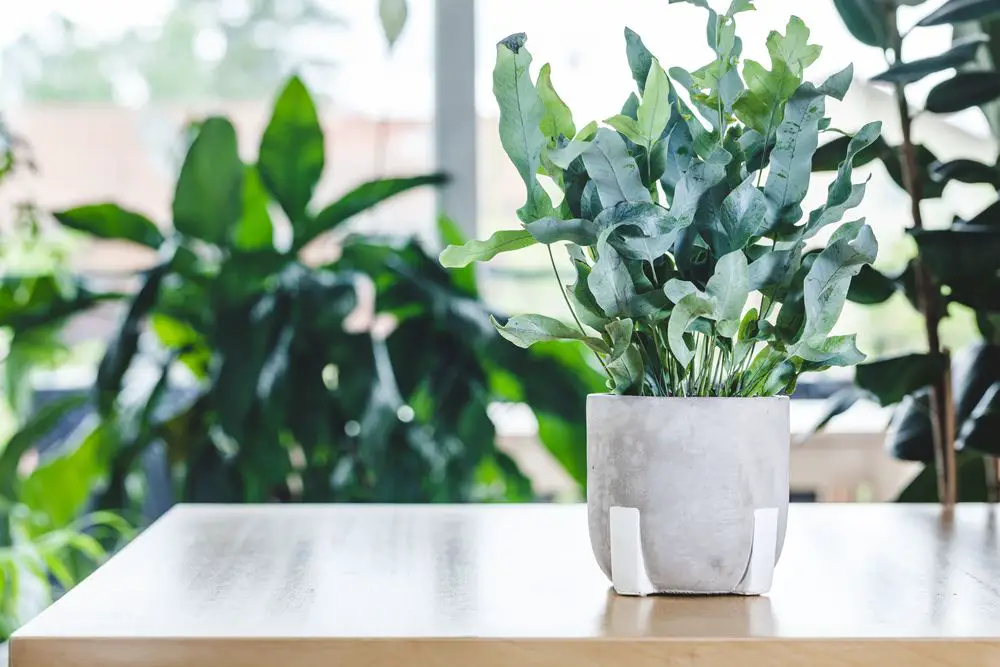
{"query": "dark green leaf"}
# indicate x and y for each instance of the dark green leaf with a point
(956, 11)
(974, 369)
(585, 305)
(954, 255)
(465, 278)
(836, 405)
(910, 437)
(110, 221)
(358, 200)
(970, 477)
(208, 200)
(981, 431)
(830, 155)
(962, 91)
(866, 20)
(123, 347)
(961, 53)
(889, 380)
(639, 58)
(871, 286)
(291, 151)
(966, 171)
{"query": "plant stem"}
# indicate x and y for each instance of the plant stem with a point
(928, 298)
(579, 324)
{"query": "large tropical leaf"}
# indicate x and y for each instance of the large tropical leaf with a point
(962, 91)
(956, 11)
(110, 221)
(962, 52)
(360, 199)
(292, 153)
(208, 199)
(889, 380)
(866, 20)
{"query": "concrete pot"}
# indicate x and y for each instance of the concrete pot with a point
(687, 495)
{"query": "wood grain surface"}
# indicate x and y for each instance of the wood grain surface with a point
(484, 586)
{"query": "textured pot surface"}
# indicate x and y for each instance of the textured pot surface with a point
(696, 470)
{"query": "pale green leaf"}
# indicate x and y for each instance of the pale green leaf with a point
(737, 6)
(654, 109)
(729, 288)
(628, 127)
(791, 159)
(610, 281)
(584, 303)
(521, 113)
(685, 312)
(676, 289)
(620, 333)
(613, 170)
(455, 256)
(829, 278)
(526, 330)
(843, 194)
(557, 121)
(793, 47)
(553, 230)
(392, 15)
(837, 85)
(832, 351)
(741, 218)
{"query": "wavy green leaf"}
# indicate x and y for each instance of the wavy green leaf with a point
(613, 170)
(481, 251)
(521, 114)
(526, 330)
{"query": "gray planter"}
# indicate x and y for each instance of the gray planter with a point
(687, 495)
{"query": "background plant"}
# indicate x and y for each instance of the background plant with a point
(48, 539)
(237, 360)
(661, 293)
(947, 414)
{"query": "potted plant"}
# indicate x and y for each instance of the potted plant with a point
(700, 289)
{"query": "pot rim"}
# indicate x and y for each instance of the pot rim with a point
(618, 397)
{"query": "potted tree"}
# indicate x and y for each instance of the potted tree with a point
(700, 289)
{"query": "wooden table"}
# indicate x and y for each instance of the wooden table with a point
(485, 586)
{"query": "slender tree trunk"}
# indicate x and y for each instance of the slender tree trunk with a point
(928, 298)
